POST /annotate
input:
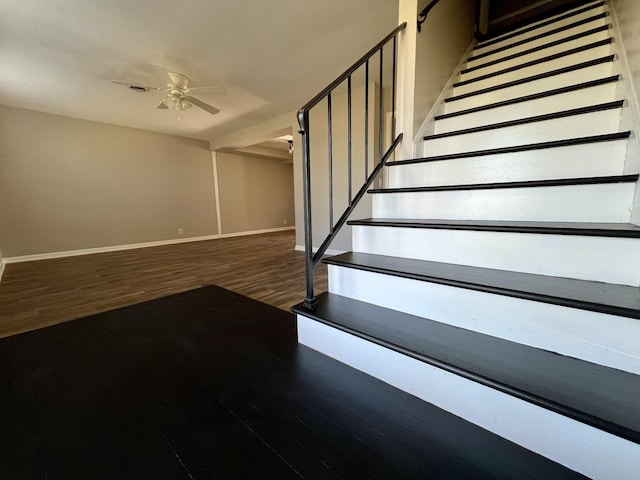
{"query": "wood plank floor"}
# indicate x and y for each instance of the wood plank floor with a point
(41, 293)
(209, 384)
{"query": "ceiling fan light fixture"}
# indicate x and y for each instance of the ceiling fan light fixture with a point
(184, 104)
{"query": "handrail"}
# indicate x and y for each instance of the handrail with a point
(422, 16)
(311, 259)
(332, 86)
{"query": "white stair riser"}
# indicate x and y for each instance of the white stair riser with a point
(595, 337)
(555, 103)
(538, 69)
(573, 203)
(589, 160)
(580, 447)
(587, 124)
(533, 43)
(611, 260)
(563, 47)
(545, 84)
(540, 30)
(552, 204)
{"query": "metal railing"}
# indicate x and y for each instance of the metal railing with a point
(311, 258)
(422, 16)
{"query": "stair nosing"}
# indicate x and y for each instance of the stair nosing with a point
(538, 61)
(480, 226)
(555, 43)
(524, 121)
(504, 185)
(516, 149)
(579, 23)
(504, 291)
(528, 396)
(534, 96)
(533, 78)
(543, 23)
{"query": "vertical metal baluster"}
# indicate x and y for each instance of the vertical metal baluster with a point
(366, 121)
(381, 109)
(393, 91)
(303, 120)
(349, 134)
(330, 152)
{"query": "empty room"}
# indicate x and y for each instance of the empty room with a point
(376, 239)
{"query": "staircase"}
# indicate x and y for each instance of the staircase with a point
(499, 278)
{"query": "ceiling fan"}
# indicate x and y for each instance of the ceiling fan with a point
(179, 95)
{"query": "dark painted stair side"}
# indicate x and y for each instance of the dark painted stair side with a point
(622, 300)
(538, 37)
(537, 118)
(527, 184)
(519, 30)
(610, 137)
(533, 78)
(571, 38)
(602, 397)
(535, 96)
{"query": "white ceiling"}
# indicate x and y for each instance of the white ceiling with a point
(271, 56)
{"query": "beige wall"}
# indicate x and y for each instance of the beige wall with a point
(69, 184)
(255, 193)
(445, 37)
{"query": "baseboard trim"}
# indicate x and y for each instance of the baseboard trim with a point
(256, 232)
(116, 248)
(2, 264)
(300, 248)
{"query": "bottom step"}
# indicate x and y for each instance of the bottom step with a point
(582, 415)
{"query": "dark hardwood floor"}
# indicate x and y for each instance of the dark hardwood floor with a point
(208, 384)
(41, 293)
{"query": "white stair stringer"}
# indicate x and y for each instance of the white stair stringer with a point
(536, 28)
(604, 259)
(587, 160)
(592, 336)
(532, 70)
(578, 446)
(540, 106)
(594, 72)
(572, 203)
(586, 124)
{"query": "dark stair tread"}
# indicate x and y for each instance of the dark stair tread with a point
(538, 37)
(533, 78)
(535, 96)
(517, 148)
(521, 29)
(622, 300)
(590, 229)
(536, 118)
(537, 61)
(555, 43)
(599, 396)
(525, 184)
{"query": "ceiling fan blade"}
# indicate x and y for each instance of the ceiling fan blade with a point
(135, 84)
(203, 105)
(212, 90)
(162, 106)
